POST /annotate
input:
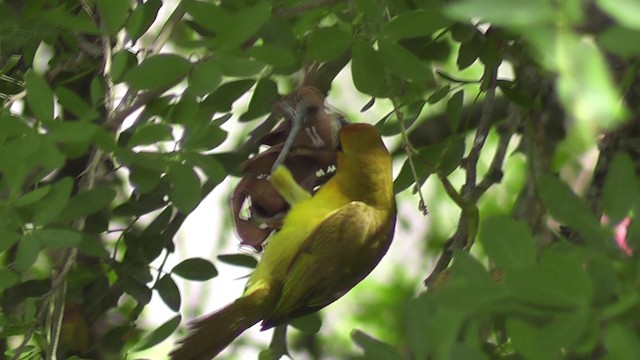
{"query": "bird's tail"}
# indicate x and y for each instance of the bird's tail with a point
(211, 334)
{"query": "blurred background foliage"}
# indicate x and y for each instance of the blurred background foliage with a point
(517, 120)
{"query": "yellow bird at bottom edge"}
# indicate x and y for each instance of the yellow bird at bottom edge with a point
(328, 243)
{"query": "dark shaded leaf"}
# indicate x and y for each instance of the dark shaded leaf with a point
(186, 191)
(454, 109)
(168, 291)
(197, 269)
(141, 18)
(226, 94)
(265, 93)
(243, 260)
(56, 239)
(374, 349)
(160, 334)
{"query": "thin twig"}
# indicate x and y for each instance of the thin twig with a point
(471, 162)
(494, 173)
(410, 151)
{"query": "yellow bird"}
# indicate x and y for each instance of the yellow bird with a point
(328, 243)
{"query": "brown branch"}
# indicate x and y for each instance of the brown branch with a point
(466, 230)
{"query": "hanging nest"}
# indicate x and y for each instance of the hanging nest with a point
(258, 209)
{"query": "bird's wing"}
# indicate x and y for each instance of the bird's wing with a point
(337, 255)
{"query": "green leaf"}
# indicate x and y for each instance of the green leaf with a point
(516, 93)
(439, 94)
(243, 25)
(210, 16)
(8, 278)
(78, 21)
(121, 62)
(265, 93)
(114, 13)
(621, 41)
(160, 334)
(88, 203)
(72, 131)
(524, 338)
(414, 24)
(564, 331)
(374, 349)
(55, 201)
(163, 70)
(239, 66)
(508, 242)
(620, 190)
(569, 209)
(203, 137)
(57, 239)
(185, 192)
(503, 12)
(243, 260)
(402, 62)
(621, 342)
(469, 52)
(226, 94)
(139, 291)
(558, 281)
(39, 96)
(368, 73)
(168, 291)
(417, 315)
(274, 55)
(197, 269)
(141, 18)
(212, 168)
(144, 179)
(462, 32)
(7, 240)
(150, 133)
(328, 43)
(452, 156)
(27, 254)
(75, 104)
(585, 86)
(31, 197)
(454, 109)
(205, 77)
(309, 323)
(624, 11)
